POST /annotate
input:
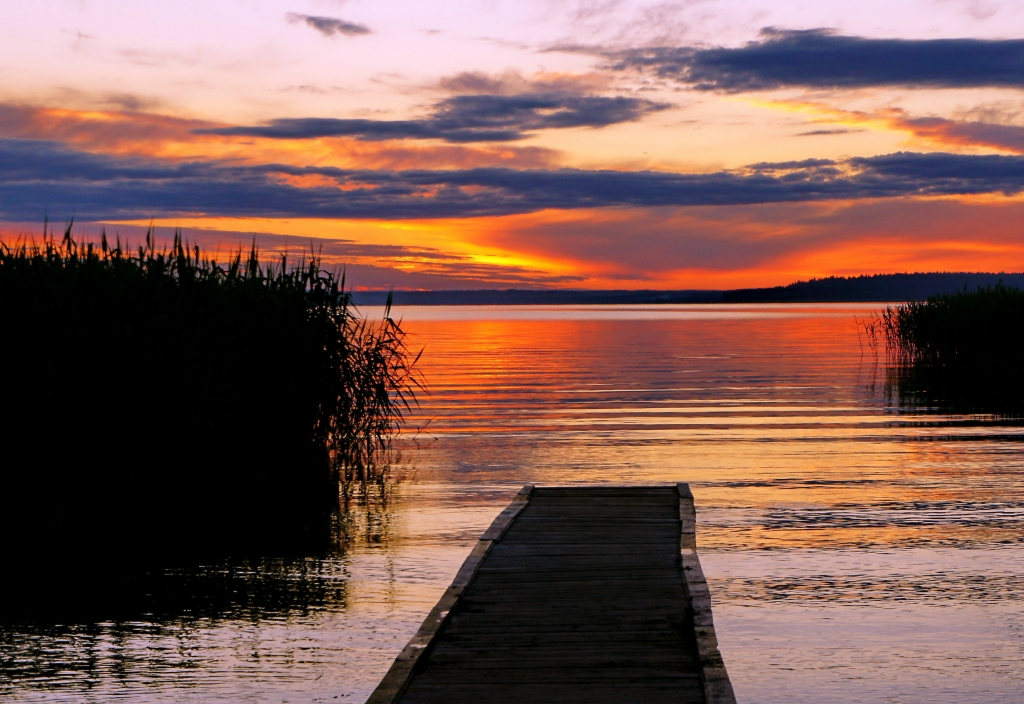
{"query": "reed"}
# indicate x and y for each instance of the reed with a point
(961, 349)
(157, 404)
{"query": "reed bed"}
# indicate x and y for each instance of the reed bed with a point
(961, 350)
(158, 405)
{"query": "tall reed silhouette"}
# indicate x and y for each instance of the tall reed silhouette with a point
(157, 405)
(961, 351)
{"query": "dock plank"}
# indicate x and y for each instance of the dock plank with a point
(574, 594)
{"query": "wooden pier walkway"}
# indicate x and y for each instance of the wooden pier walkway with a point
(574, 594)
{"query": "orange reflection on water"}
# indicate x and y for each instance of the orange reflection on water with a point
(835, 528)
(773, 413)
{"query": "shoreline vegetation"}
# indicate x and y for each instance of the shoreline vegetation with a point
(876, 288)
(958, 351)
(159, 407)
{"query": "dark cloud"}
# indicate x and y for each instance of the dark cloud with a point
(819, 58)
(467, 118)
(514, 83)
(330, 26)
(825, 133)
(36, 175)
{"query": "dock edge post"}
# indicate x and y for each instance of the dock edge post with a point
(397, 679)
(717, 686)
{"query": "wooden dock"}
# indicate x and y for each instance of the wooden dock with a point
(574, 594)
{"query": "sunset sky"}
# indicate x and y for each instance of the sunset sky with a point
(546, 143)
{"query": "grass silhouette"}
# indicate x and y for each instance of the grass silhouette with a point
(960, 350)
(159, 406)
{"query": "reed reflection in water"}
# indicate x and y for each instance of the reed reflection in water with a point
(857, 550)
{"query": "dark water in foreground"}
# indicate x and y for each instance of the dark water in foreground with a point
(857, 552)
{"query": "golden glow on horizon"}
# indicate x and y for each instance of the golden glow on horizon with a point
(885, 236)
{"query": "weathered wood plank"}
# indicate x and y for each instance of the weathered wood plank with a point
(397, 678)
(574, 594)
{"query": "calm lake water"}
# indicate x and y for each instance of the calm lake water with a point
(857, 551)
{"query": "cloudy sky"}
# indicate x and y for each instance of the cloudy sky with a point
(552, 143)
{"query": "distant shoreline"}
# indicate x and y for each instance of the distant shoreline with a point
(879, 288)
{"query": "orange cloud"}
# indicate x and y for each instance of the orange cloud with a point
(117, 132)
(672, 247)
(940, 131)
(953, 133)
(130, 133)
(767, 245)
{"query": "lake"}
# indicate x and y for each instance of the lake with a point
(857, 551)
